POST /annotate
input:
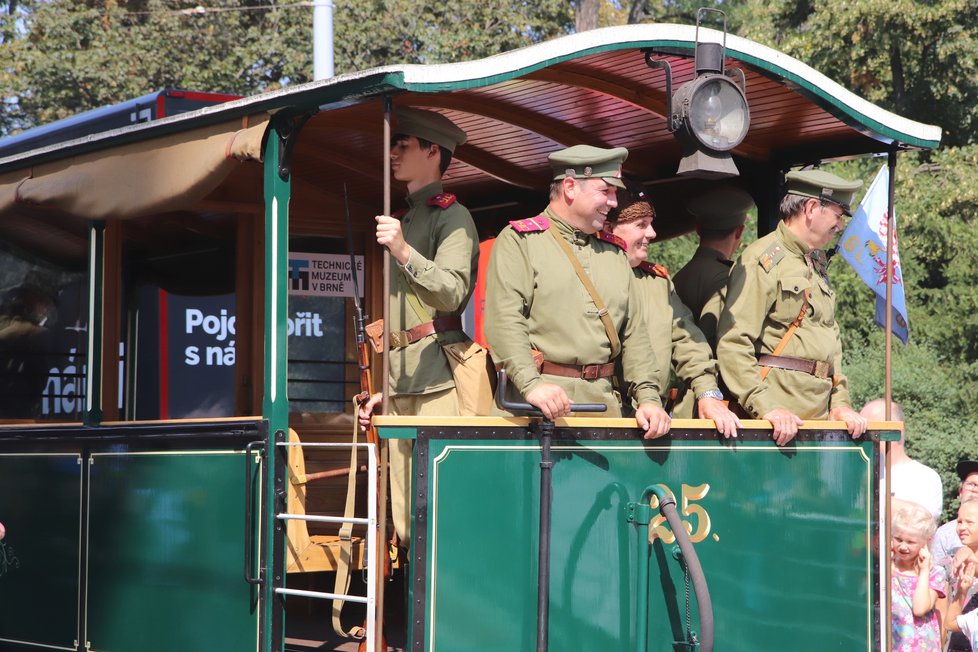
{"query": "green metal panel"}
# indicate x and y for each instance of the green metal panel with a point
(158, 580)
(39, 558)
(784, 535)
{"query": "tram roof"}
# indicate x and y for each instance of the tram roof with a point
(516, 107)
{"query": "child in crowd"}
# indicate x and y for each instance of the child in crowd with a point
(963, 568)
(917, 584)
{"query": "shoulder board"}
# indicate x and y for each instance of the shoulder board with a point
(604, 236)
(652, 268)
(771, 256)
(442, 200)
(400, 213)
(531, 224)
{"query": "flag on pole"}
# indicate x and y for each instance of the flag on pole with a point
(863, 245)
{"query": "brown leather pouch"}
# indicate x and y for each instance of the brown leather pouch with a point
(537, 359)
(375, 333)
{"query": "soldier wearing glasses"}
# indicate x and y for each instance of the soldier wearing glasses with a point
(779, 346)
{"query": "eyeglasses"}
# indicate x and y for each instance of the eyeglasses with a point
(970, 485)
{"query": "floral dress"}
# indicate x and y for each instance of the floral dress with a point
(910, 633)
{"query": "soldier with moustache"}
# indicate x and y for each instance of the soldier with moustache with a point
(537, 302)
(779, 345)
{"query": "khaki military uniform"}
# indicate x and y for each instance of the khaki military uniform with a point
(535, 300)
(682, 343)
(765, 294)
(701, 285)
(441, 272)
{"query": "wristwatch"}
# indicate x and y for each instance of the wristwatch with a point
(711, 393)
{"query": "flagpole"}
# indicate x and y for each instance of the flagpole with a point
(888, 394)
(890, 235)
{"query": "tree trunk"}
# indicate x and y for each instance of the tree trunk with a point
(587, 15)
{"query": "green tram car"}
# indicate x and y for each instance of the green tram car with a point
(175, 396)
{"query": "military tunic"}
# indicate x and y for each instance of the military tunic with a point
(441, 270)
(535, 300)
(764, 296)
(701, 285)
(682, 343)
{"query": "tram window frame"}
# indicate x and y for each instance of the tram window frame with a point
(43, 338)
(179, 311)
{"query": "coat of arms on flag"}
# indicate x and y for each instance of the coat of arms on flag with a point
(863, 245)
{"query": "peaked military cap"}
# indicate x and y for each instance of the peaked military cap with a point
(721, 208)
(431, 126)
(587, 162)
(822, 185)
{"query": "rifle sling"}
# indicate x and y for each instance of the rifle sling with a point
(342, 584)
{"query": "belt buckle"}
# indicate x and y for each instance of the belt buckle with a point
(398, 339)
(590, 371)
(822, 369)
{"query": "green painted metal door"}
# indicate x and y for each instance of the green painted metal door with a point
(39, 557)
(786, 538)
(166, 554)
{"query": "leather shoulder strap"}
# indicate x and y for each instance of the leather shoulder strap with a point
(609, 328)
(787, 336)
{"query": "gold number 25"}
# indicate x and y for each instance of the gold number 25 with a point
(658, 527)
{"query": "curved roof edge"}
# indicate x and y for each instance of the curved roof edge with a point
(432, 78)
(467, 74)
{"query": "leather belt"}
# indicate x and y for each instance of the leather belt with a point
(400, 339)
(817, 368)
(587, 371)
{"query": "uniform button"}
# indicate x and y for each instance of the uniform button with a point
(796, 288)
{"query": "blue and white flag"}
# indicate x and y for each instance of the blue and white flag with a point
(863, 245)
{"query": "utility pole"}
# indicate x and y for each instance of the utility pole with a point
(322, 39)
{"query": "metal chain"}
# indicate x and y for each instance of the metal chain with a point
(689, 628)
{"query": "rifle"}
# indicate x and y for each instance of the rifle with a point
(381, 560)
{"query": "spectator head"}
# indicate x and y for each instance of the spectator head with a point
(913, 520)
(875, 410)
(968, 472)
(967, 527)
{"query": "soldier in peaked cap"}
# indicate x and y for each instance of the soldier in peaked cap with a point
(671, 327)
(538, 299)
(720, 215)
(779, 347)
(435, 246)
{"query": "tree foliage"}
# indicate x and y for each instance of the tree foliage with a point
(60, 57)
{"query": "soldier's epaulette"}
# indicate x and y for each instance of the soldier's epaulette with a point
(604, 236)
(442, 200)
(653, 268)
(771, 256)
(531, 224)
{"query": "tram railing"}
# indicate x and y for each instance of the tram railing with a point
(370, 600)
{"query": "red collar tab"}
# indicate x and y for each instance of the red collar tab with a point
(399, 214)
(652, 268)
(442, 200)
(531, 224)
(604, 236)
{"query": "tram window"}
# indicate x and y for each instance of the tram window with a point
(43, 340)
(322, 368)
(179, 327)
